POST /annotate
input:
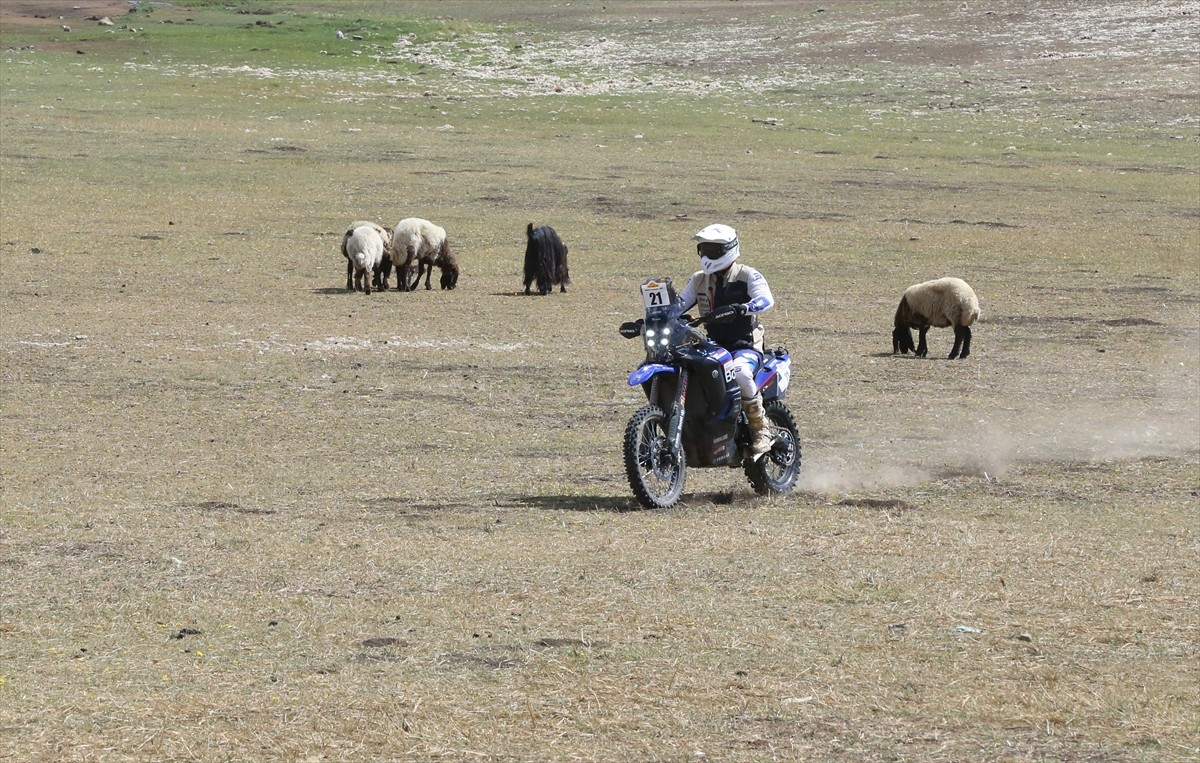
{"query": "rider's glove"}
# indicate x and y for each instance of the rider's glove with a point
(725, 313)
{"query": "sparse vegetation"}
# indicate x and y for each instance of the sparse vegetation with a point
(195, 569)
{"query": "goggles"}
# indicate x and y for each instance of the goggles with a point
(713, 250)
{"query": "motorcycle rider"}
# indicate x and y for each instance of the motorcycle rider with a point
(730, 296)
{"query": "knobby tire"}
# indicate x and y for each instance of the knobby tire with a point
(777, 470)
(656, 480)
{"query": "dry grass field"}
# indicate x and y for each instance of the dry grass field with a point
(247, 515)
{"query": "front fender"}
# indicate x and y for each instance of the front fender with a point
(642, 374)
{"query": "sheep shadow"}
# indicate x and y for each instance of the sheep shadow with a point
(906, 356)
(333, 291)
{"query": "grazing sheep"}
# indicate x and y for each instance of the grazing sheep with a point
(942, 302)
(414, 239)
(365, 246)
(545, 260)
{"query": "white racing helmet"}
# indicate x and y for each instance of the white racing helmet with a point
(717, 246)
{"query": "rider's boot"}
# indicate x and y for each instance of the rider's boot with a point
(757, 417)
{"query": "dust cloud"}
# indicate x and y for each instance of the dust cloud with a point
(990, 444)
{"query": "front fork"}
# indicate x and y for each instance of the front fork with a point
(675, 422)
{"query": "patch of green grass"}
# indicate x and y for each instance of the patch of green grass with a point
(260, 34)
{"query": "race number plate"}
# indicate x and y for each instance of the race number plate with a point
(654, 294)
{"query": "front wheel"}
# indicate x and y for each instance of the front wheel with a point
(655, 473)
(776, 471)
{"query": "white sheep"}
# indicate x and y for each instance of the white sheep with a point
(365, 247)
(942, 302)
(420, 241)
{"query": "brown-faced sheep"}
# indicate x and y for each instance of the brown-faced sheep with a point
(420, 241)
(942, 302)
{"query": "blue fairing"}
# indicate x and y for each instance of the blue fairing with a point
(765, 376)
(642, 374)
(768, 377)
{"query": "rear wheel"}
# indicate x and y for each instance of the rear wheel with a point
(776, 471)
(655, 475)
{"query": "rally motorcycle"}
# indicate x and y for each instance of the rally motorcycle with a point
(694, 413)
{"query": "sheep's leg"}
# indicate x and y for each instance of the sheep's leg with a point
(403, 273)
(411, 261)
(349, 275)
(922, 348)
(428, 272)
(966, 347)
(385, 272)
(421, 271)
(957, 342)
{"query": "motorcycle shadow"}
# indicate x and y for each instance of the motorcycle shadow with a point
(577, 503)
(609, 503)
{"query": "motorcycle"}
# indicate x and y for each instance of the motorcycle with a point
(693, 416)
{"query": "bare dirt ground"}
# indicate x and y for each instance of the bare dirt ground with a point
(41, 12)
(248, 515)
